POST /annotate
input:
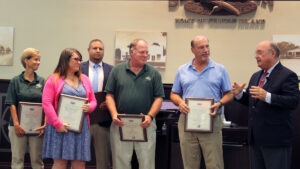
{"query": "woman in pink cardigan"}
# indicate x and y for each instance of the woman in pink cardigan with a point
(60, 144)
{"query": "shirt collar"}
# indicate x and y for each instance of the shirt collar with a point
(210, 64)
(92, 64)
(145, 68)
(36, 80)
(271, 69)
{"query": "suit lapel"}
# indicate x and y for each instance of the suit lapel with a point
(255, 82)
(270, 79)
(85, 68)
(257, 78)
(275, 72)
(106, 73)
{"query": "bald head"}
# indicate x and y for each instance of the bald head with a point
(135, 42)
(266, 54)
(198, 38)
(271, 47)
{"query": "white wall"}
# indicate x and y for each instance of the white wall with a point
(53, 25)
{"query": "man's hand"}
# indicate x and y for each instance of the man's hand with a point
(215, 108)
(258, 93)
(237, 89)
(19, 130)
(117, 121)
(42, 129)
(147, 121)
(183, 108)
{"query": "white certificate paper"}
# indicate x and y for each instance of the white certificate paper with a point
(199, 119)
(70, 111)
(132, 130)
(30, 117)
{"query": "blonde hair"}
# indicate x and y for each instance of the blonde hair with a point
(27, 54)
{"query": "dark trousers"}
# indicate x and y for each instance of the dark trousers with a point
(264, 157)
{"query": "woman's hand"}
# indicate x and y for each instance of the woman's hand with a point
(63, 128)
(86, 107)
(19, 130)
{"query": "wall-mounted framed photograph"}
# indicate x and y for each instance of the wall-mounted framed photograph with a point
(6, 46)
(157, 46)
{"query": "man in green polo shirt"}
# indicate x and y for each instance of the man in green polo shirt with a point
(134, 87)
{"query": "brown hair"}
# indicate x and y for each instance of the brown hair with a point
(63, 63)
(95, 40)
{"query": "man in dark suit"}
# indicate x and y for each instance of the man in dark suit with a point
(100, 119)
(271, 95)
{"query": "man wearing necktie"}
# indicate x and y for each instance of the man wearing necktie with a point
(100, 119)
(271, 95)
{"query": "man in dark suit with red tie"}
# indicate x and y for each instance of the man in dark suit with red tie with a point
(271, 95)
(100, 119)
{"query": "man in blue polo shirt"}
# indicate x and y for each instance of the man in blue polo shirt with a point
(201, 78)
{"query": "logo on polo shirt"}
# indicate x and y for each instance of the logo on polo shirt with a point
(38, 85)
(148, 78)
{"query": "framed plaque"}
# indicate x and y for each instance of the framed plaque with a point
(30, 116)
(132, 130)
(70, 111)
(199, 119)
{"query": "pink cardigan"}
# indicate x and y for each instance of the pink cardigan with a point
(51, 94)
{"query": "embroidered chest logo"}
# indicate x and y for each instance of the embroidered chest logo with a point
(148, 78)
(38, 85)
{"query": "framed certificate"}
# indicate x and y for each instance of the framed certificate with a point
(199, 119)
(70, 111)
(30, 116)
(132, 130)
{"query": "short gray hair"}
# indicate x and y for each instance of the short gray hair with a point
(133, 44)
(274, 47)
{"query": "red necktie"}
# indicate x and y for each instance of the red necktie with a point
(262, 80)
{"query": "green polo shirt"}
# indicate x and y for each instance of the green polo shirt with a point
(20, 89)
(134, 94)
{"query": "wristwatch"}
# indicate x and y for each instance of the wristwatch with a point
(150, 116)
(221, 104)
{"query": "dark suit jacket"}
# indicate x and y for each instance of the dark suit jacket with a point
(271, 124)
(99, 116)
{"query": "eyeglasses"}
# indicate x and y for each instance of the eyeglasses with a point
(77, 59)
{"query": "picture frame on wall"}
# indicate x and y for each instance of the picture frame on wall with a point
(157, 46)
(6, 46)
(289, 46)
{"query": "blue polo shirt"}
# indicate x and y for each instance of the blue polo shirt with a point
(212, 82)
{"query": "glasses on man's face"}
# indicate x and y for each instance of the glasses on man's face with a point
(77, 59)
